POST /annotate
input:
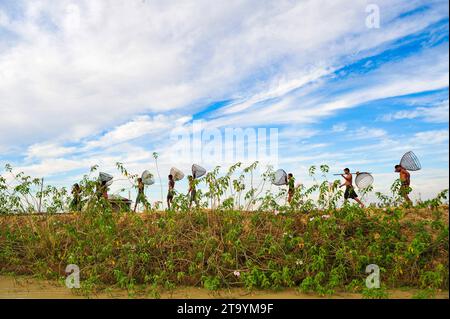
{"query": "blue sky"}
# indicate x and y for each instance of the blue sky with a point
(97, 82)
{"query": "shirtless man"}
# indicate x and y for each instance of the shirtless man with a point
(171, 192)
(405, 179)
(291, 186)
(102, 190)
(141, 194)
(192, 191)
(349, 189)
(75, 205)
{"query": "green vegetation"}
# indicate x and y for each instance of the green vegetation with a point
(247, 240)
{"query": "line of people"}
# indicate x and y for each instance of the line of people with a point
(192, 191)
(350, 192)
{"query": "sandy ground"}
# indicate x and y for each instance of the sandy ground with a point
(29, 288)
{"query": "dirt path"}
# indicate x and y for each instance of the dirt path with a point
(28, 288)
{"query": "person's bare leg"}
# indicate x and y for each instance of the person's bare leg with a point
(408, 200)
(359, 202)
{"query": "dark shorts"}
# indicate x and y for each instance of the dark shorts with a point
(75, 204)
(141, 198)
(193, 196)
(350, 193)
(170, 196)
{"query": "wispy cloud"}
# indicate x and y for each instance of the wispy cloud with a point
(433, 114)
(436, 137)
(340, 127)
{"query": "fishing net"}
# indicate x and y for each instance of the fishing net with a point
(410, 162)
(177, 174)
(364, 180)
(105, 177)
(198, 171)
(147, 178)
(280, 178)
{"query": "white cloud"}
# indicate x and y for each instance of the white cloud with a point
(435, 137)
(340, 127)
(367, 133)
(4, 19)
(48, 150)
(152, 128)
(139, 127)
(423, 72)
(78, 68)
(49, 167)
(433, 114)
(297, 133)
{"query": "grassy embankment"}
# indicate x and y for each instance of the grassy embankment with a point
(310, 245)
(314, 252)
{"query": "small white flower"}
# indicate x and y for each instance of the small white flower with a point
(299, 262)
(326, 216)
(276, 212)
(237, 273)
(311, 219)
